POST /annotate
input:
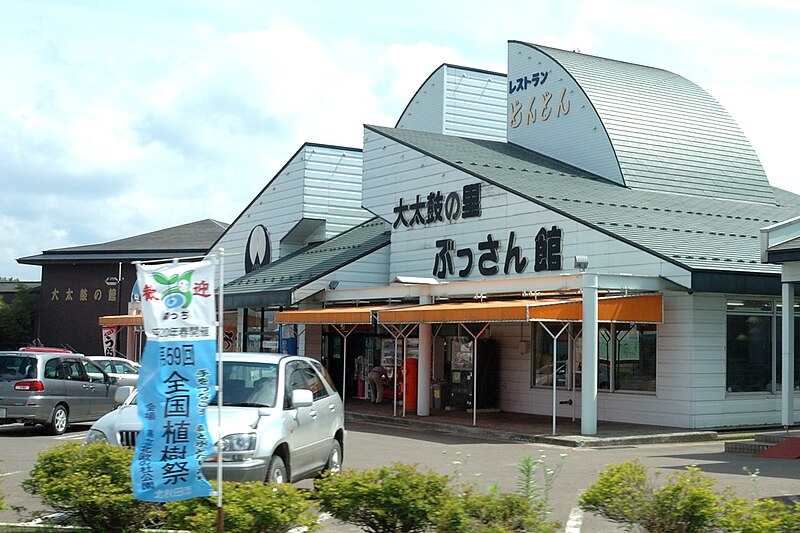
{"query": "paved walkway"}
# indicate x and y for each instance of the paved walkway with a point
(521, 427)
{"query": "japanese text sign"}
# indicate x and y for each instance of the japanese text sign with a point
(176, 381)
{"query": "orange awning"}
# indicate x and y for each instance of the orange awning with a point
(329, 315)
(121, 320)
(644, 308)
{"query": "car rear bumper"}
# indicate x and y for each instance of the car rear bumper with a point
(23, 413)
(252, 470)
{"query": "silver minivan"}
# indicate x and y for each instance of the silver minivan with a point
(53, 387)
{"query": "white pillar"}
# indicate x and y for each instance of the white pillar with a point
(589, 376)
(787, 355)
(424, 365)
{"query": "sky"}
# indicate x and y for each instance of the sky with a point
(120, 118)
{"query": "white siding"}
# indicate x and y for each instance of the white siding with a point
(474, 104)
(461, 102)
(393, 171)
(369, 271)
(425, 110)
(320, 182)
(332, 188)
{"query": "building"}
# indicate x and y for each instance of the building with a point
(581, 236)
(82, 283)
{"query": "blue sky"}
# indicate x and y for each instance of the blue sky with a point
(118, 118)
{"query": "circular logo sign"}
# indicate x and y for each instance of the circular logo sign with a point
(257, 250)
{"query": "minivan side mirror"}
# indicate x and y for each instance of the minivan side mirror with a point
(302, 398)
(122, 394)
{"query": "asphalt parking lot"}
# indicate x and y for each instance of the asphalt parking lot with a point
(474, 459)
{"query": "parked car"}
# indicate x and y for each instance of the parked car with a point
(53, 387)
(281, 420)
(125, 370)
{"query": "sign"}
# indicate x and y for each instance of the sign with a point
(110, 341)
(493, 253)
(176, 381)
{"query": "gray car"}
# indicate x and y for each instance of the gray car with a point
(281, 420)
(53, 387)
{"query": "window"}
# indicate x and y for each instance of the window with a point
(754, 345)
(94, 372)
(779, 353)
(242, 381)
(51, 369)
(635, 357)
(626, 356)
(295, 380)
(314, 383)
(73, 370)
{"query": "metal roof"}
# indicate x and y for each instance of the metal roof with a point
(273, 284)
(668, 133)
(194, 238)
(695, 232)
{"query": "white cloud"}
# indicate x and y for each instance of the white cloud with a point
(117, 119)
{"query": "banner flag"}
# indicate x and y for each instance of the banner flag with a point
(110, 341)
(176, 381)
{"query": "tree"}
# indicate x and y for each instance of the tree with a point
(16, 318)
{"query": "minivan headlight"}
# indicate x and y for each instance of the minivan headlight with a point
(238, 446)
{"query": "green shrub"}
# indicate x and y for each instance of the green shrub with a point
(395, 498)
(620, 494)
(92, 482)
(495, 512)
(761, 516)
(248, 508)
(686, 501)
(687, 498)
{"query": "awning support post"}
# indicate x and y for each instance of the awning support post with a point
(474, 370)
(344, 332)
(555, 339)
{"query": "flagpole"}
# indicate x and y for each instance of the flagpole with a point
(220, 331)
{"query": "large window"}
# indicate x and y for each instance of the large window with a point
(754, 344)
(635, 357)
(626, 356)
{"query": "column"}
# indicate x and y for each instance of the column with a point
(787, 354)
(424, 365)
(589, 376)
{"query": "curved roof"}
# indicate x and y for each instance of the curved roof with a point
(667, 133)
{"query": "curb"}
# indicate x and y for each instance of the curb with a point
(572, 441)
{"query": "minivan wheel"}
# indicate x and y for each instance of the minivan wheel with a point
(276, 473)
(334, 464)
(60, 420)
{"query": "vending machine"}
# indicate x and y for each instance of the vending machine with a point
(462, 374)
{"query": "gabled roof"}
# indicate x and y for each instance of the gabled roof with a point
(273, 284)
(694, 232)
(194, 238)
